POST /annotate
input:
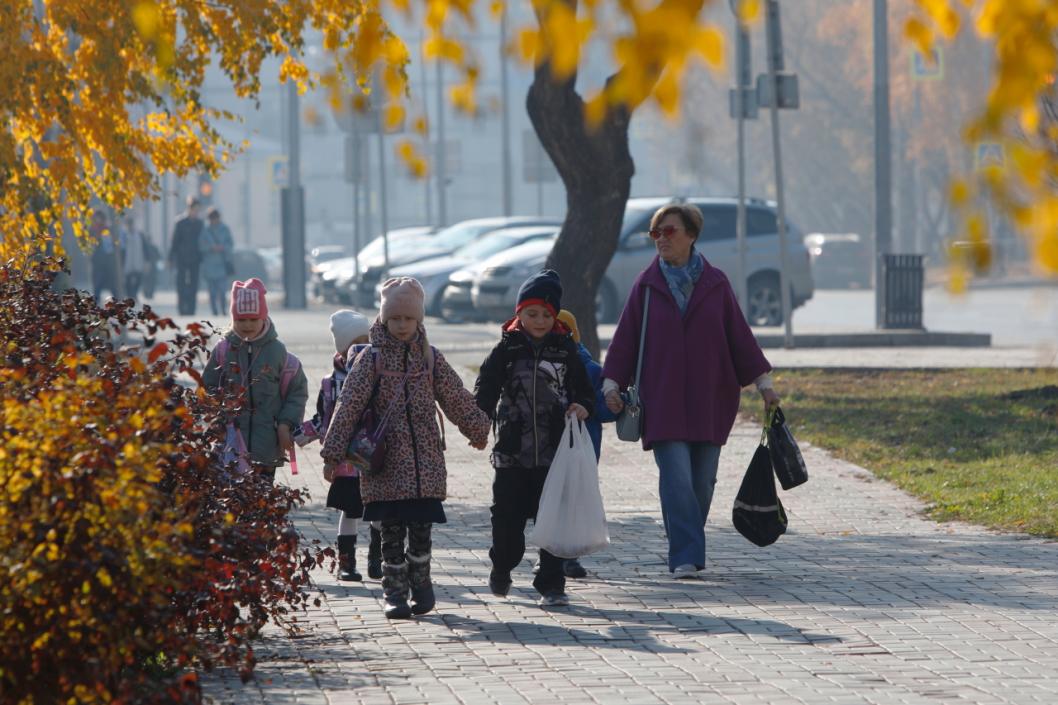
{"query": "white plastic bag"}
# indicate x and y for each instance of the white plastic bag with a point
(571, 521)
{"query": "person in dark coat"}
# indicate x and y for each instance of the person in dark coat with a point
(105, 258)
(184, 257)
(698, 354)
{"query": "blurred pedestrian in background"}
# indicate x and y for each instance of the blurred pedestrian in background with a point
(215, 244)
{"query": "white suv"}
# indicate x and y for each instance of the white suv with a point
(496, 284)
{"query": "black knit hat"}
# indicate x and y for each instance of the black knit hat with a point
(543, 288)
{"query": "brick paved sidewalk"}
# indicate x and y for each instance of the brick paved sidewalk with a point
(863, 601)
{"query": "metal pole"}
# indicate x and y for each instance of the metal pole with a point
(742, 80)
(294, 216)
(358, 173)
(165, 215)
(505, 118)
(883, 187)
(442, 202)
(383, 213)
(428, 188)
(247, 221)
(774, 67)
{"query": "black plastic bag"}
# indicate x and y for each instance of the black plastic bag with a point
(786, 457)
(758, 514)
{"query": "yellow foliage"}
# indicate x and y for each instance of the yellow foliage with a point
(101, 98)
(1024, 34)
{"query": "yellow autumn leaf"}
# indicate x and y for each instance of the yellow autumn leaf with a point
(749, 11)
(393, 117)
(147, 18)
(959, 192)
(709, 43)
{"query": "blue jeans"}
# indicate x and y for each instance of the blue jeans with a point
(218, 295)
(687, 476)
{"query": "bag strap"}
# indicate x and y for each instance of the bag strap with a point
(643, 334)
(290, 368)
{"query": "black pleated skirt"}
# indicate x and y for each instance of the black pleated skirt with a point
(345, 495)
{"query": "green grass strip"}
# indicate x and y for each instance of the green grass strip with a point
(978, 445)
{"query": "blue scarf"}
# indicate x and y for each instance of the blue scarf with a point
(681, 280)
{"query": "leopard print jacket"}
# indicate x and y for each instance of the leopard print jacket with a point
(415, 464)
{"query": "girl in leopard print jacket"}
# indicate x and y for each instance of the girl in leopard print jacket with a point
(406, 496)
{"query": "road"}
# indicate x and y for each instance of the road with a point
(1023, 323)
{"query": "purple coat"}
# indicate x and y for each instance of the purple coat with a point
(694, 365)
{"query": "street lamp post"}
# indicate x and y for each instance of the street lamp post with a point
(883, 187)
(293, 209)
(775, 66)
(744, 106)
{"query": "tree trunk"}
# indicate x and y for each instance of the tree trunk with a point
(596, 168)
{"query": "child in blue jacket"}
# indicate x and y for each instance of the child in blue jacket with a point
(601, 414)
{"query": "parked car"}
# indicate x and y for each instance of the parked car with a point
(249, 263)
(325, 253)
(433, 273)
(458, 296)
(839, 260)
(495, 289)
(273, 259)
(332, 280)
(444, 242)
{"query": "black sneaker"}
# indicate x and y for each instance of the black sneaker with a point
(573, 569)
(500, 584)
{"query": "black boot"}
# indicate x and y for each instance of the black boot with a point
(374, 555)
(347, 559)
(395, 590)
(422, 597)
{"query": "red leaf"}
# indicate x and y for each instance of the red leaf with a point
(156, 352)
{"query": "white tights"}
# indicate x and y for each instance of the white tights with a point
(349, 526)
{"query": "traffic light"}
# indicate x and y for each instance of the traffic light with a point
(205, 189)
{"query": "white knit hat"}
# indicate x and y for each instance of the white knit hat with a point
(402, 296)
(347, 326)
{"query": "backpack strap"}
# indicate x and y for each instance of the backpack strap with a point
(290, 369)
(220, 352)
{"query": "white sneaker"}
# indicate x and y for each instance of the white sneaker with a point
(685, 572)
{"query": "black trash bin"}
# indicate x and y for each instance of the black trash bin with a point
(902, 279)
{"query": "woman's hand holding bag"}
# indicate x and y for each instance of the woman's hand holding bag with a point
(571, 520)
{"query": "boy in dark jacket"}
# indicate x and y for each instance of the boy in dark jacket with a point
(536, 376)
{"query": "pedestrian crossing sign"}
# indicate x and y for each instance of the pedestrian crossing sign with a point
(989, 155)
(927, 67)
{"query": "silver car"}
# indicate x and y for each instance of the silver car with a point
(444, 242)
(433, 273)
(337, 278)
(457, 301)
(496, 288)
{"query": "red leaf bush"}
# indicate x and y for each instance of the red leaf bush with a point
(131, 557)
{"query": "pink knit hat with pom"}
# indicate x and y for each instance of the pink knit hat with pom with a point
(402, 296)
(248, 300)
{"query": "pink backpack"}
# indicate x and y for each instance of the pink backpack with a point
(234, 445)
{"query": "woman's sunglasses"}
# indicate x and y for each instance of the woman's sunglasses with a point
(664, 230)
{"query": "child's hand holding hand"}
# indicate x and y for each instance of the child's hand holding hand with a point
(286, 441)
(577, 410)
(481, 445)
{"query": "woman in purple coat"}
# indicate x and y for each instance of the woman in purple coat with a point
(698, 355)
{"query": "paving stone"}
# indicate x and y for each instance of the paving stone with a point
(863, 601)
